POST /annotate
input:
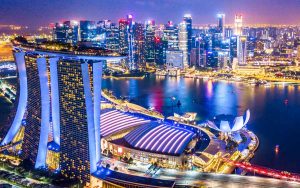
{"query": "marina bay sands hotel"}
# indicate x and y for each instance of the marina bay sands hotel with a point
(59, 106)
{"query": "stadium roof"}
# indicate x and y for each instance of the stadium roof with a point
(165, 139)
(114, 121)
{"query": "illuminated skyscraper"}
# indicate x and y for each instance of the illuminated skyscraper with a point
(139, 44)
(183, 42)
(112, 37)
(171, 35)
(174, 59)
(242, 50)
(188, 21)
(60, 33)
(62, 98)
(233, 47)
(221, 24)
(238, 25)
(123, 36)
(150, 41)
(66, 32)
(223, 58)
(161, 47)
(87, 31)
(131, 42)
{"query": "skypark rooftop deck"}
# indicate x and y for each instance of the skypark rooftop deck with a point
(56, 47)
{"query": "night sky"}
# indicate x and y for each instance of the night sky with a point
(43, 12)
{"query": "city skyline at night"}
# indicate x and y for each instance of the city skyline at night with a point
(149, 93)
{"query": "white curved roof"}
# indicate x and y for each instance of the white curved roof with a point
(225, 126)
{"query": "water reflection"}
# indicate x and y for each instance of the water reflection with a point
(274, 121)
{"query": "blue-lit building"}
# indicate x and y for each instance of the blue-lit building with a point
(139, 44)
(66, 32)
(161, 47)
(170, 34)
(233, 47)
(145, 140)
(112, 37)
(87, 31)
(189, 23)
(60, 96)
(221, 24)
(150, 41)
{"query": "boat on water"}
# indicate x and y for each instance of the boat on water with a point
(277, 149)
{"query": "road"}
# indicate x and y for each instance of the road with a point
(198, 178)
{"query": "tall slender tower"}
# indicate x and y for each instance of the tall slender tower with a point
(189, 27)
(123, 36)
(150, 41)
(139, 44)
(242, 50)
(238, 25)
(183, 42)
(221, 24)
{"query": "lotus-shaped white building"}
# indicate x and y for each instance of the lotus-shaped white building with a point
(229, 123)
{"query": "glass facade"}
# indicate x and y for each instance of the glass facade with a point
(33, 128)
(74, 130)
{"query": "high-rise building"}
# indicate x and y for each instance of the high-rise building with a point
(112, 37)
(87, 31)
(161, 47)
(228, 32)
(62, 100)
(212, 59)
(183, 42)
(223, 59)
(171, 35)
(175, 59)
(131, 43)
(221, 24)
(242, 50)
(60, 33)
(196, 52)
(150, 41)
(66, 32)
(139, 44)
(202, 52)
(238, 25)
(188, 21)
(123, 36)
(233, 47)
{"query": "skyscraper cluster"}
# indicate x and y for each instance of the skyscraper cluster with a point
(143, 43)
(148, 43)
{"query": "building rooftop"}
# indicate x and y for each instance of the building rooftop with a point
(52, 46)
(160, 138)
(115, 121)
(229, 123)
